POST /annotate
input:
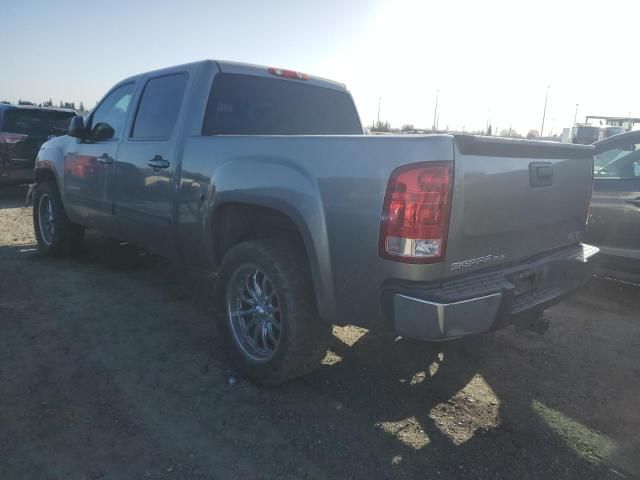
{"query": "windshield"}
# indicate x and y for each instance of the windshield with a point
(623, 161)
(38, 122)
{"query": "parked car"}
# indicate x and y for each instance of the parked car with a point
(23, 130)
(264, 176)
(614, 223)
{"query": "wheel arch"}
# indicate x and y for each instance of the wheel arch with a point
(234, 220)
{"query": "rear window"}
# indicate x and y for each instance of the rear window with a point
(250, 105)
(38, 122)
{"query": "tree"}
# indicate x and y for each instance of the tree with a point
(489, 130)
(510, 133)
(81, 107)
(6, 102)
(381, 127)
(533, 133)
(407, 127)
(24, 102)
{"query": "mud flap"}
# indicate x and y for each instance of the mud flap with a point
(29, 200)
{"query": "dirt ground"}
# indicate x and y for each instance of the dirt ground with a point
(111, 367)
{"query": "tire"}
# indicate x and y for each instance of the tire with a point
(55, 233)
(293, 345)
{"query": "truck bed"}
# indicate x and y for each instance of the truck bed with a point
(334, 188)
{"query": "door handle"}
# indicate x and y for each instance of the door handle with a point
(634, 201)
(105, 159)
(158, 163)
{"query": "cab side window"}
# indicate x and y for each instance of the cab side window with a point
(107, 121)
(159, 107)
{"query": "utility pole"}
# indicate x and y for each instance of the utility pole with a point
(575, 116)
(435, 112)
(544, 112)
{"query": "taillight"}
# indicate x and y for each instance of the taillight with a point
(288, 73)
(6, 137)
(415, 213)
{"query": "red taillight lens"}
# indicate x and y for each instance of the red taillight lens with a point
(6, 137)
(415, 214)
(288, 73)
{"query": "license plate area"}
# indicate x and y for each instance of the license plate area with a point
(528, 281)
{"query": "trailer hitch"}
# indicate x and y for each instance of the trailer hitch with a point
(536, 322)
(28, 201)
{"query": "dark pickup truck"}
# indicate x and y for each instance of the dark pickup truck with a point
(264, 176)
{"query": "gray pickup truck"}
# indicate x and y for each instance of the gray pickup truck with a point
(264, 176)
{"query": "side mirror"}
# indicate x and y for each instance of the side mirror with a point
(77, 128)
(102, 131)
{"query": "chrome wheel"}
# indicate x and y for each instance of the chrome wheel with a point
(46, 220)
(253, 313)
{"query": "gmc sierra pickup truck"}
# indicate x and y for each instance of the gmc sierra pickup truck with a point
(264, 176)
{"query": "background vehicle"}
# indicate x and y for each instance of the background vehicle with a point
(265, 176)
(611, 131)
(23, 130)
(614, 224)
(586, 134)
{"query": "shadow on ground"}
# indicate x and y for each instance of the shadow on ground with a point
(111, 367)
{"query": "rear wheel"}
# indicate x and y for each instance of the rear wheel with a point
(270, 316)
(55, 233)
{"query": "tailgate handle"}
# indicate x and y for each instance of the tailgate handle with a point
(541, 174)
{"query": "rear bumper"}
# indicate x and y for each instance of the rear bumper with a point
(12, 172)
(483, 302)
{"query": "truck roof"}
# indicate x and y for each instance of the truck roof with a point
(248, 69)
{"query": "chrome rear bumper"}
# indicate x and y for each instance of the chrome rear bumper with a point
(486, 301)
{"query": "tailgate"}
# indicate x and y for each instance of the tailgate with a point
(513, 199)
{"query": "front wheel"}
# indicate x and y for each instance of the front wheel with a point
(55, 233)
(270, 316)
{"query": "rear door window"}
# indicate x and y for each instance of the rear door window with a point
(159, 107)
(252, 105)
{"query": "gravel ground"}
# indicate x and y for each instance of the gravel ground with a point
(111, 367)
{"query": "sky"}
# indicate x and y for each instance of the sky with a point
(487, 61)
